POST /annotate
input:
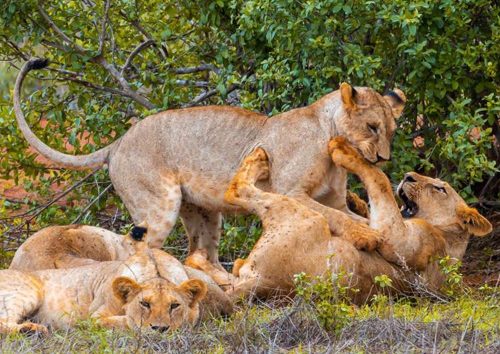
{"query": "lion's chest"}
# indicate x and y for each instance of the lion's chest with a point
(335, 179)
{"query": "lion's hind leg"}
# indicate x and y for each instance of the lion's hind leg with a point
(242, 190)
(21, 294)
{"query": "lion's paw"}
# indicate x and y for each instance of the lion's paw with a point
(344, 154)
(197, 260)
(364, 238)
(259, 162)
(33, 328)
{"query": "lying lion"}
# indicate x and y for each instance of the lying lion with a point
(297, 239)
(137, 293)
(180, 162)
(72, 246)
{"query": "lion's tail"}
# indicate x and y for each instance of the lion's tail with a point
(95, 159)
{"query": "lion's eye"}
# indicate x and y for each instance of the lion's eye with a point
(145, 304)
(440, 189)
(373, 128)
(174, 305)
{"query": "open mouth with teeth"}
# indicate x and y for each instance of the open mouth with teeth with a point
(409, 208)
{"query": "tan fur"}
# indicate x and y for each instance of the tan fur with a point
(141, 292)
(71, 246)
(190, 155)
(77, 245)
(297, 239)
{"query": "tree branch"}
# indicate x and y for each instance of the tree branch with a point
(92, 202)
(192, 83)
(98, 60)
(161, 49)
(135, 52)
(73, 77)
(59, 32)
(102, 34)
(196, 69)
(209, 94)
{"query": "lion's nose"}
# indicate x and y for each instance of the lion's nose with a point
(160, 329)
(409, 178)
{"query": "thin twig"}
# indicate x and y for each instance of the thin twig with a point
(135, 23)
(102, 34)
(209, 94)
(47, 205)
(192, 83)
(134, 53)
(196, 69)
(87, 207)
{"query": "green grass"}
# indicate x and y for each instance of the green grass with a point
(470, 323)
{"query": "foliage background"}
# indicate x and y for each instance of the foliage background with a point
(268, 56)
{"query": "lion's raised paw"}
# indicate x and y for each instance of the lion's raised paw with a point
(344, 155)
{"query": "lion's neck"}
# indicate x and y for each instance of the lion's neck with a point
(456, 239)
(329, 109)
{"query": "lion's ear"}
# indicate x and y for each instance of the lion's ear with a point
(348, 94)
(397, 100)
(125, 288)
(196, 289)
(474, 222)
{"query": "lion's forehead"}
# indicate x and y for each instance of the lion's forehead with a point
(161, 292)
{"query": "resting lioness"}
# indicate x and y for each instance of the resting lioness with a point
(138, 292)
(72, 246)
(180, 162)
(297, 239)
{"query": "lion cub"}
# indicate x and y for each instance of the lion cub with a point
(297, 239)
(135, 293)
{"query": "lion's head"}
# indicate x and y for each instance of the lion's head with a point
(439, 204)
(367, 120)
(159, 304)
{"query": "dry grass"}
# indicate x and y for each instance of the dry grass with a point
(276, 328)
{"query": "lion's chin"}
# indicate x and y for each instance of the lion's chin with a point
(409, 208)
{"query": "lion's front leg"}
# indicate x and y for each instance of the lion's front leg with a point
(117, 322)
(21, 295)
(384, 211)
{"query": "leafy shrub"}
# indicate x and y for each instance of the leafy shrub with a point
(450, 268)
(329, 296)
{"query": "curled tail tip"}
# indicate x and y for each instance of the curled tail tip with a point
(37, 63)
(138, 233)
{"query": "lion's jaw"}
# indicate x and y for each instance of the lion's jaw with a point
(430, 199)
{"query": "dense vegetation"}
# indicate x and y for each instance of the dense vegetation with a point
(115, 61)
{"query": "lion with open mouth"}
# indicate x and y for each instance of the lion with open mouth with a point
(435, 221)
